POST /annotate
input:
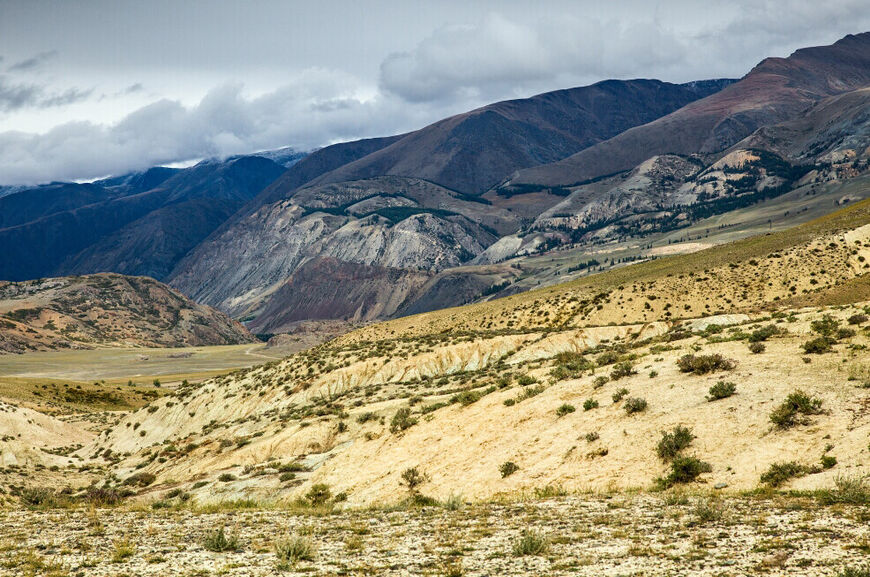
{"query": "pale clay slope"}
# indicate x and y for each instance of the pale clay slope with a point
(461, 448)
(25, 431)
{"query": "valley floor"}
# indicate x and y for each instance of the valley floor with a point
(619, 534)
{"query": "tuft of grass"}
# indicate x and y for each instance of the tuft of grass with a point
(219, 541)
(849, 490)
(122, 550)
(293, 549)
(530, 543)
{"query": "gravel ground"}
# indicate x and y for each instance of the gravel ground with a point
(584, 535)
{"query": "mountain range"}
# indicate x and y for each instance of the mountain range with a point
(478, 205)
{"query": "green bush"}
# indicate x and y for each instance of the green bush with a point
(622, 369)
(318, 495)
(721, 390)
(789, 412)
(855, 572)
(829, 461)
(526, 380)
(858, 319)
(779, 473)
(703, 364)
(402, 420)
(412, 478)
(619, 395)
(508, 468)
(590, 404)
(764, 333)
(634, 405)
(684, 470)
(565, 410)
(674, 442)
(600, 381)
(826, 326)
(757, 348)
(818, 345)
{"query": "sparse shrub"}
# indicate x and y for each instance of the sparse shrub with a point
(600, 381)
(526, 380)
(756, 348)
(293, 549)
(412, 478)
(550, 491)
(828, 461)
(43, 498)
(566, 409)
(780, 473)
(796, 404)
(570, 365)
(508, 468)
(845, 333)
(402, 420)
(103, 497)
(318, 495)
(591, 437)
(590, 404)
(619, 395)
(818, 345)
(226, 477)
(218, 541)
(622, 369)
(684, 470)
(858, 319)
(141, 479)
(466, 398)
(607, 358)
(826, 326)
(721, 390)
(674, 442)
(634, 405)
(764, 333)
(530, 543)
(703, 364)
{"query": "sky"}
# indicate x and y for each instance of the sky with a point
(96, 88)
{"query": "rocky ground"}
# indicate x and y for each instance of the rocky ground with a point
(621, 534)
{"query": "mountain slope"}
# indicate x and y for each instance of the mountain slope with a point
(71, 228)
(107, 310)
(776, 90)
(471, 152)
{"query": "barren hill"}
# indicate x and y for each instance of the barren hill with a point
(107, 310)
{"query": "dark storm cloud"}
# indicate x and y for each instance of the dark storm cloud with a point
(227, 77)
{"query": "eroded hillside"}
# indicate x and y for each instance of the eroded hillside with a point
(107, 310)
(573, 385)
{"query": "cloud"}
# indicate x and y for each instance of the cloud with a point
(33, 62)
(318, 107)
(18, 95)
(499, 57)
(15, 96)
